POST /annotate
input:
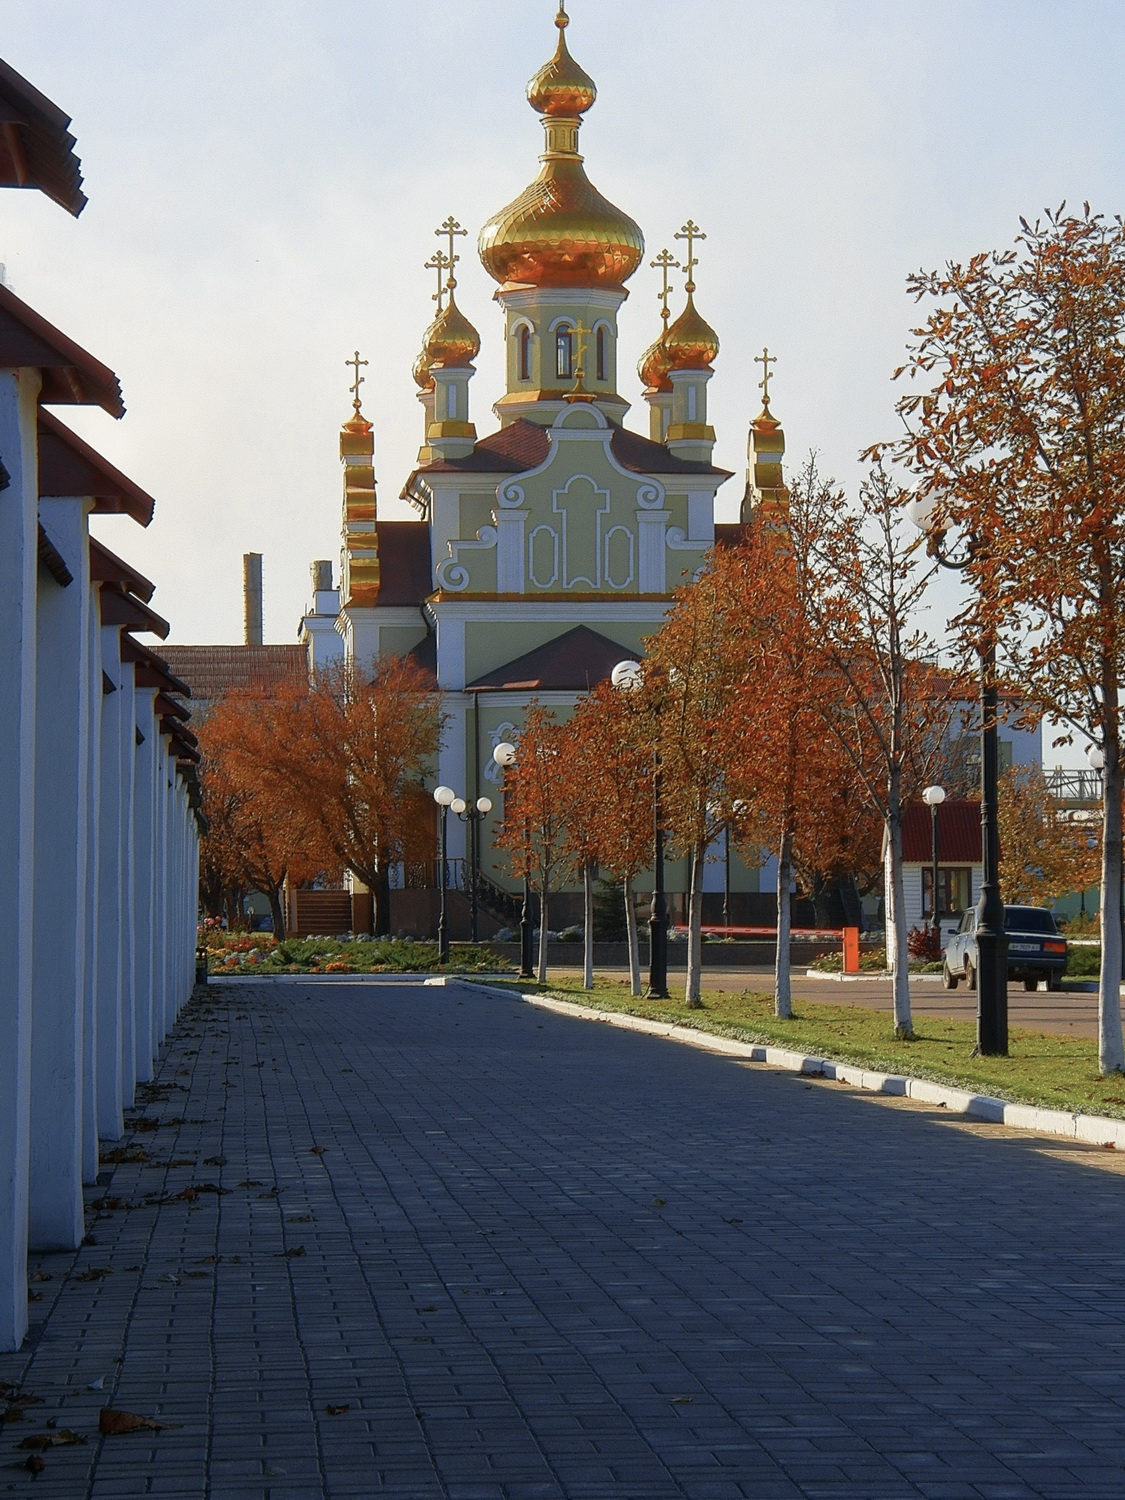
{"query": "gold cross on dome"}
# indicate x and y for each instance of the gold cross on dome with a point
(581, 334)
(691, 232)
(666, 262)
(765, 359)
(355, 363)
(438, 262)
(452, 231)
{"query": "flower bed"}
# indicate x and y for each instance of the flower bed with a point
(260, 953)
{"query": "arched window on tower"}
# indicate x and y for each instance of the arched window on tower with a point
(564, 352)
(524, 337)
(602, 354)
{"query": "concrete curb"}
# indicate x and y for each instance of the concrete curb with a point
(1096, 1130)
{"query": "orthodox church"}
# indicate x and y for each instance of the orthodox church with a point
(547, 551)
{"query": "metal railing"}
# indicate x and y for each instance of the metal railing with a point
(1081, 787)
(425, 875)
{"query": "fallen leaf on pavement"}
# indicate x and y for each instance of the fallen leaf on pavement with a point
(35, 1464)
(292, 1254)
(113, 1423)
(63, 1438)
(337, 1411)
(95, 1273)
(317, 1150)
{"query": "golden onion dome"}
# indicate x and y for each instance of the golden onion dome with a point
(691, 343)
(561, 87)
(451, 340)
(561, 232)
(654, 366)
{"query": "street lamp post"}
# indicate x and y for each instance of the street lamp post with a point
(991, 938)
(473, 816)
(628, 677)
(933, 797)
(506, 755)
(445, 797)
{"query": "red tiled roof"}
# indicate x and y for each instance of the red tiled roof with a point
(69, 466)
(212, 671)
(71, 377)
(151, 670)
(36, 148)
(571, 663)
(405, 572)
(525, 445)
(958, 834)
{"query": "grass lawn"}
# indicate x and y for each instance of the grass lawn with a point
(1050, 1071)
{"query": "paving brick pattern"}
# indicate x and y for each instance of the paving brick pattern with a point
(470, 1250)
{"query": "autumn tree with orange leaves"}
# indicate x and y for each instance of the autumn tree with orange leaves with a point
(793, 790)
(608, 793)
(257, 838)
(346, 757)
(862, 580)
(536, 809)
(1019, 443)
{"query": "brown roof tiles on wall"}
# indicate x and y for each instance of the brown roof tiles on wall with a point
(211, 671)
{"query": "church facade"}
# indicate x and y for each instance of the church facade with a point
(547, 551)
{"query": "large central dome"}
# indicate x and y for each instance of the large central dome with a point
(560, 231)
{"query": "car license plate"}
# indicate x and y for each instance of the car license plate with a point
(1025, 948)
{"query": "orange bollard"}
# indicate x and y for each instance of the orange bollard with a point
(851, 950)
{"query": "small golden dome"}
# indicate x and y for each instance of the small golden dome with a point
(451, 340)
(560, 231)
(561, 87)
(691, 343)
(654, 366)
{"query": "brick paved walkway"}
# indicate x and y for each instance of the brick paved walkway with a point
(543, 1258)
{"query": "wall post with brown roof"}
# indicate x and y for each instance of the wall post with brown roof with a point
(18, 563)
(62, 769)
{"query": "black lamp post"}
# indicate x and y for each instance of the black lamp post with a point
(506, 755)
(628, 677)
(473, 816)
(991, 938)
(445, 797)
(933, 797)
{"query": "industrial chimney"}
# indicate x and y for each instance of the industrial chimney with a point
(252, 596)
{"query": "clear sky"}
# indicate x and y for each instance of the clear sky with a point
(265, 178)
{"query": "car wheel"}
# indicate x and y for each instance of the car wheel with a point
(1031, 985)
(970, 976)
(948, 978)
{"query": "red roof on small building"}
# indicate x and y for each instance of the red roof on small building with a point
(958, 825)
(212, 671)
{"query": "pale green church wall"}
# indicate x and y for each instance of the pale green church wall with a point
(400, 640)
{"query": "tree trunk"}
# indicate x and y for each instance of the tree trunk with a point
(277, 910)
(782, 987)
(634, 942)
(1111, 1055)
(899, 961)
(693, 989)
(588, 871)
(543, 932)
(381, 902)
